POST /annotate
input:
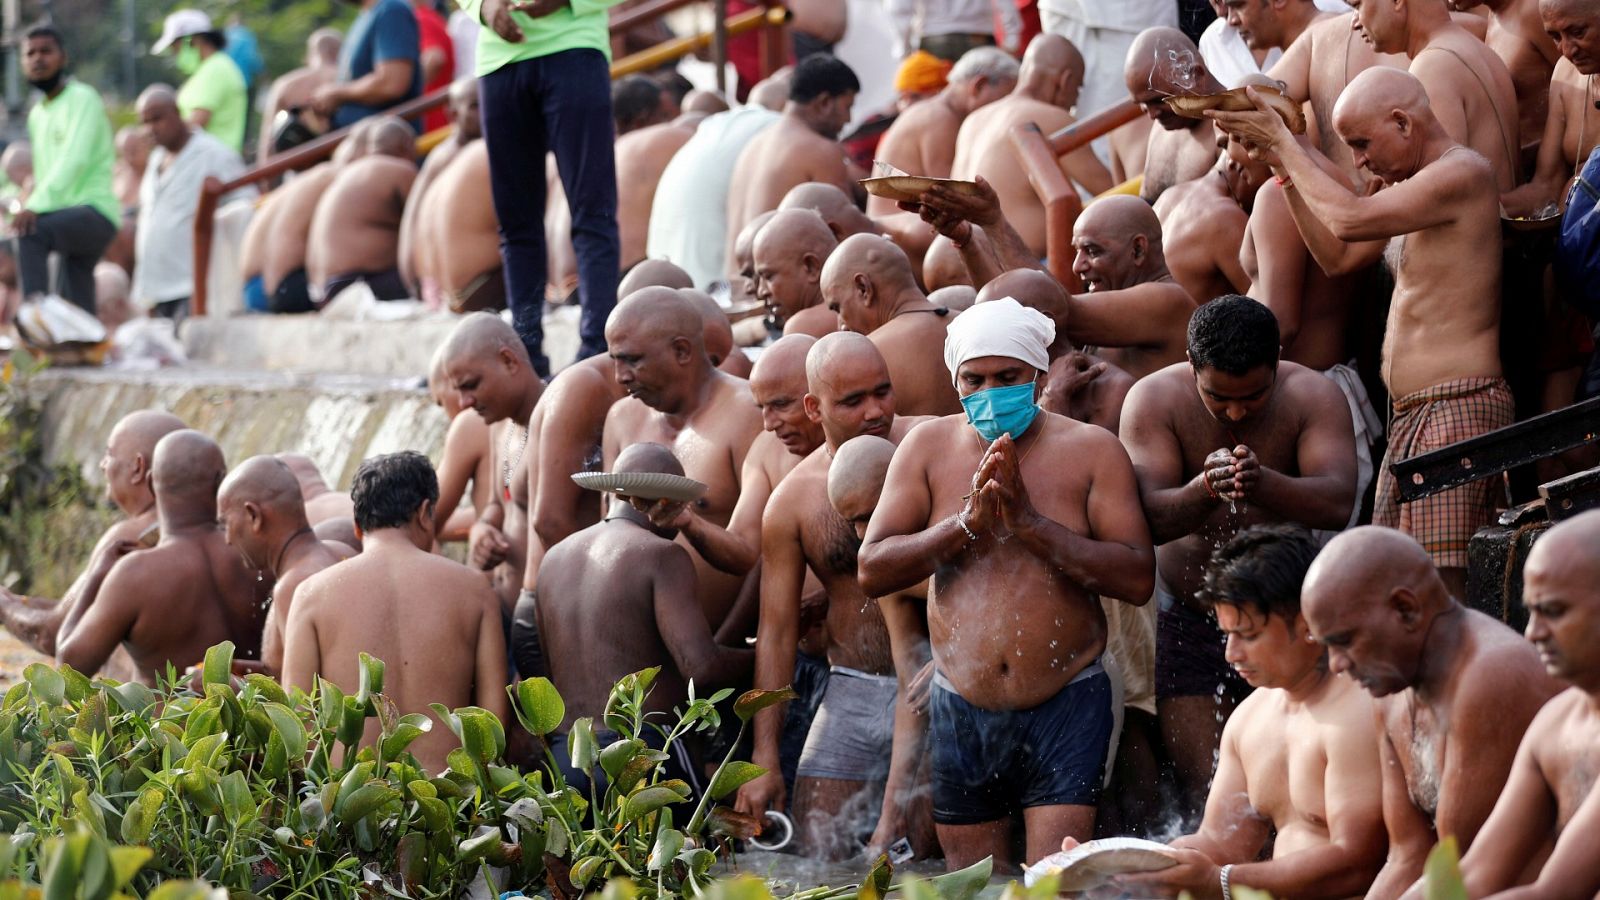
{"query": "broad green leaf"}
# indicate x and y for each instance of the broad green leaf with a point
(408, 729)
(205, 751)
(187, 890)
(634, 772)
(127, 861)
(732, 776)
(352, 722)
(525, 813)
(669, 842)
(47, 684)
(1441, 875)
(876, 885)
(478, 846)
(364, 801)
(63, 863)
(614, 757)
(237, 803)
(78, 685)
(435, 814)
(581, 747)
(289, 729)
(140, 816)
(330, 704)
(371, 680)
(556, 842)
(538, 705)
(584, 870)
(752, 702)
(647, 800)
(620, 889)
(268, 687)
(965, 884)
(482, 734)
(133, 697)
(218, 666)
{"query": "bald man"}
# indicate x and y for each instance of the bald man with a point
(1550, 797)
(264, 519)
(487, 364)
(1203, 222)
(295, 88)
(1314, 71)
(643, 155)
(677, 398)
(1517, 35)
(743, 285)
(1441, 354)
(126, 468)
(788, 255)
(843, 217)
(355, 233)
(169, 604)
(387, 602)
(848, 750)
(323, 504)
(1161, 63)
(416, 262)
(801, 146)
(1020, 713)
(1455, 690)
(855, 483)
(1047, 88)
(1229, 439)
(648, 617)
(718, 334)
(459, 235)
(1468, 87)
(465, 461)
(654, 273)
(1566, 142)
(868, 283)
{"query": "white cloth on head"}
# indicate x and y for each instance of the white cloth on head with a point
(1000, 327)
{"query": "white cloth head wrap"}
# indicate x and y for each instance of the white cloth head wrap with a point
(1000, 327)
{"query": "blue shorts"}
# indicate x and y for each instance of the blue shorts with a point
(987, 764)
(255, 295)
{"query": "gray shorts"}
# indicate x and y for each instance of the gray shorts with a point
(853, 732)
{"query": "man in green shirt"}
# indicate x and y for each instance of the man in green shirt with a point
(213, 96)
(544, 85)
(72, 210)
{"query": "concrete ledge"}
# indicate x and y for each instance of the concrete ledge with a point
(337, 420)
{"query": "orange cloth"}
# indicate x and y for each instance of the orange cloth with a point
(921, 73)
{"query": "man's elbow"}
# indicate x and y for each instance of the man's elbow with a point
(871, 570)
(552, 528)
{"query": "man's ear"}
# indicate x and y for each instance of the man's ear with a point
(812, 407)
(252, 512)
(1140, 246)
(863, 286)
(682, 348)
(1405, 604)
(813, 267)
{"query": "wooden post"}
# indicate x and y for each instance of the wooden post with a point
(204, 227)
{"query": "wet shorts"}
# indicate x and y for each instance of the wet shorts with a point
(987, 764)
(853, 732)
(1191, 654)
(810, 682)
(526, 651)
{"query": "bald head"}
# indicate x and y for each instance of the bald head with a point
(481, 335)
(140, 431)
(1377, 93)
(305, 472)
(718, 331)
(391, 136)
(267, 483)
(1050, 56)
(1032, 288)
(855, 480)
(646, 457)
(794, 231)
(954, 297)
(773, 91)
(784, 360)
(703, 103)
(654, 272)
(788, 254)
(1119, 216)
(1561, 591)
(837, 353)
(1166, 61)
(187, 470)
(157, 96)
(322, 47)
(660, 314)
(860, 278)
(836, 208)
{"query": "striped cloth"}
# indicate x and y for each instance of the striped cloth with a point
(1427, 420)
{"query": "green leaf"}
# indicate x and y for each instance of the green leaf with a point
(647, 800)
(218, 666)
(364, 801)
(48, 685)
(63, 863)
(581, 746)
(435, 814)
(965, 884)
(620, 889)
(237, 803)
(127, 861)
(140, 816)
(289, 729)
(330, 704)
(205, 751)
(78, 685)
(478, 846)
(1441, 875)
(616, 756)
(634, 772)
(408, 729)
(352, 722)
(539, 705)
(752, 702)
(732, 776)
(669, 842)
(482, 735)
(583, 871)
(133, 697)
(876, 884)
(268, 687)
(371, 680)
(187, 890)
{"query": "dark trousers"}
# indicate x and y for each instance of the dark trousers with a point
(559, 103)
(80, 235)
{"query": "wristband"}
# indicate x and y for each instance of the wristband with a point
(1210, 489)
(1227, 892)
(1283, 181)
(963, 525)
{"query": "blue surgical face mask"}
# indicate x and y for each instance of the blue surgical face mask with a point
(1001, 410)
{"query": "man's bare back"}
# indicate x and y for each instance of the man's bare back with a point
(295, 205)
(356, 227)
(921, 141)
(1202, 226)
(643, 155)
(1516, 34)
(1312, 307)
(461, 234)
(777, 159)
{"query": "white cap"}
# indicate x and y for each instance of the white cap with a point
(181, 24)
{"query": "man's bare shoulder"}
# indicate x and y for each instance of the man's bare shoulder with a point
(1346, 706)
(1065, 433)
(625, 416)
(929, 113)
(1308, 389)
(1500, 667)
(127, 529)
(1162, 387)
(1570, 706)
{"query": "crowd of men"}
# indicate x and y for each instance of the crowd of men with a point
(1202, 609)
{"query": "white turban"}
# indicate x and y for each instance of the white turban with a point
(1000, 327)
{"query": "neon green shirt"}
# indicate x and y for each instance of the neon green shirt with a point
(580, 25)
(218, 86)
(72, 153)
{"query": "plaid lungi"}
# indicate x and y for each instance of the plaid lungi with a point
(1427, 420)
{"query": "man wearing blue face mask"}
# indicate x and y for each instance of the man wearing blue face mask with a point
(1023, 519)
(213, 95)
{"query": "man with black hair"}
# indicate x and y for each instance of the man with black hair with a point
(1232, 438)
(72, 210)
(1299, 760)
(801, 146)
(434, 622)
(637, 101)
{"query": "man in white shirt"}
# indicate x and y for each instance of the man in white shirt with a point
(949, 28)
(183, 158)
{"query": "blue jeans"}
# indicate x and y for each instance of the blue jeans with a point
(559, 103)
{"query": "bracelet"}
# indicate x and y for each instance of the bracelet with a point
(963, 524)
(1283, 181)
(1227, 892)
(1210, 488)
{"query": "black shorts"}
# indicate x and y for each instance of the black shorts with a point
(810, 683)
(291, 295)
(988, 764)
(1191, 656)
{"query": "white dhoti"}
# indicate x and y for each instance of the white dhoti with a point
(1368, 427)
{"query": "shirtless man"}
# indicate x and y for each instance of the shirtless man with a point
(677, 398)
(855, 484)
(386, 602)
(355, 234)
(1314, 71)
(849, 746)
(130, 449)
(1455, 690)
(1517, 35)
(788, 254)
(1469, 88)
(1549, 798)
(1203, 222)
(323, 504)
(489, 367)
(742, 281)
(416, 262)
(835, 207)
(1567, 140)
(1232, 438)
(169, 604)
(1299, 761)
(1441, 354)
(1047, 88)
(718, 334)
(465, 461)
(282, 227)
(1163, 62)
(643, 154)
(618, 597)
(1020, 710)
(264, 518)
(461, 233)
(801, 146)
(868, 283)
(294, 88)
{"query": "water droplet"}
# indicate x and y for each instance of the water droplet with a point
(1053, 644)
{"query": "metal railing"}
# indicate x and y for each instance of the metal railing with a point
(1039, 155)
(769, 21)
